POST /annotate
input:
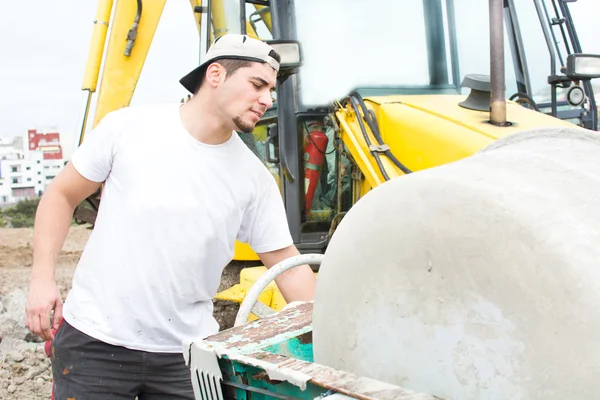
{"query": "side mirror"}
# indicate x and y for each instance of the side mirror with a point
(291, 55)
(583, 66)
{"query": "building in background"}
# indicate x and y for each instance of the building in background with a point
(28, 164)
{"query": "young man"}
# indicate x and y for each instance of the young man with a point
(180, 188)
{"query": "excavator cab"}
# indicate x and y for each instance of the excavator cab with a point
(354, 48)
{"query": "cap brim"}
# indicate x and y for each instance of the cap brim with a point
(193, 80)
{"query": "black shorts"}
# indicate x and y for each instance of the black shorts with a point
(86, 368)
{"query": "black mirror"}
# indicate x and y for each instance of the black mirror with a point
(291, 55)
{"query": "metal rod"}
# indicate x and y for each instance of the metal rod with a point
(243, 17)
(518, 48)
(570, 28)
(84, 118)
(202, 24)
(543, 22)
(562, 30)
(498, 100)
(546, 36)
(208, 23)
(436, 43)
(277, 20)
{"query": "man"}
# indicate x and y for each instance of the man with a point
(180, 187)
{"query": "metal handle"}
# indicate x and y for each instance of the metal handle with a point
(265, 279)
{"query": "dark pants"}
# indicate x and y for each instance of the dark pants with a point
(86, 368)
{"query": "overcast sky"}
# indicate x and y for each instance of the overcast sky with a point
(44, 47)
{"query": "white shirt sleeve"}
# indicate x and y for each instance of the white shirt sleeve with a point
(94, 157)
(264, 225)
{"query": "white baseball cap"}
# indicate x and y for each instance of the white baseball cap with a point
(232, 46)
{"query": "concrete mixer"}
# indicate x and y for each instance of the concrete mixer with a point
(483, 284)
(492, 285)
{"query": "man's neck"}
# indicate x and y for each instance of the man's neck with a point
(202, 121)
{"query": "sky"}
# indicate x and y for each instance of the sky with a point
(44, 47)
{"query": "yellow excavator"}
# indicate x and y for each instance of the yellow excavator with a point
(414, 104)
(447, 206)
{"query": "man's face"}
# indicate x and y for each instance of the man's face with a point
(246, 94)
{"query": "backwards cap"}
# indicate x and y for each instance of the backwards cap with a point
(232, 46)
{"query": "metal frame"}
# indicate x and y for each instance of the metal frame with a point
(515, 41)
(589, 119)
(290, 145)
(453, 45)
(436, 42)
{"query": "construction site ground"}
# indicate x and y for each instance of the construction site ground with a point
(24, 368)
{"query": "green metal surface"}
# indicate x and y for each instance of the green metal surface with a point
(299, 347)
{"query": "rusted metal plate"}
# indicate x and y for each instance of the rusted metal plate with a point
(341, 381)
(256, 335)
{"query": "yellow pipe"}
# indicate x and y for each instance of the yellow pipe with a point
(219, 21)
(94, 60)
(250, 31)
(266, 17)
(92, 68)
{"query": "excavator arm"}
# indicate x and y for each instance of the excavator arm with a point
(118, 61)
(130, 35)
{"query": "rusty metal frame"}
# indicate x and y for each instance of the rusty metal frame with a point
(245, 356)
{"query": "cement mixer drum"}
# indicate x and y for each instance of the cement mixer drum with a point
(475, 280)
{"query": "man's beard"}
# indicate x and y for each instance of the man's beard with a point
(243, 126)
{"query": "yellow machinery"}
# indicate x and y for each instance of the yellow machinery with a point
(459, 225)
(375, 132)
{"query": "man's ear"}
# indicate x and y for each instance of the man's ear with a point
(214, 72)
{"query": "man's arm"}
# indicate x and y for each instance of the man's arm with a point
(52, 221)
(296, 284)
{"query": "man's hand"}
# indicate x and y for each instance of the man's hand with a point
(43, 297)
(52, 223)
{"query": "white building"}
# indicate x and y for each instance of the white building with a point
(28, 165)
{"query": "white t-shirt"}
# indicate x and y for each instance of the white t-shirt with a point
(170, 212)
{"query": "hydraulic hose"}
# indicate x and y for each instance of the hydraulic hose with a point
(132, 34)
(528, 100)
(354, 104)
(273, 272)
(372, 123)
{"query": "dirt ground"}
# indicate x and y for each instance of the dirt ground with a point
(16, 250)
